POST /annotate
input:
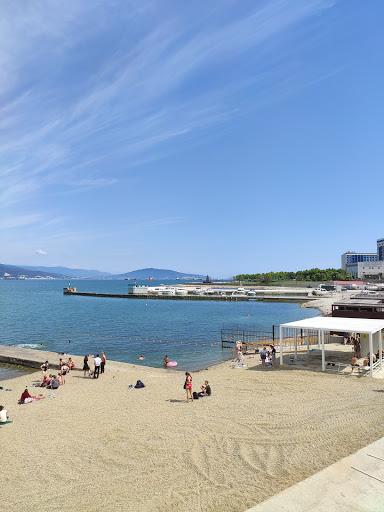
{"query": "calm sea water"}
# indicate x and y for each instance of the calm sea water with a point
(37, 313)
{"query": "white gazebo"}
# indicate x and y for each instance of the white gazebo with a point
(322, 324)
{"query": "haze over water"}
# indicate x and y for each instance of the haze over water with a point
(37, 313)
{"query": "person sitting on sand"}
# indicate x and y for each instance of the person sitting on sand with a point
(205, 389)
(54, 382)
(71, 364)
(4, 418)
(26, 397)
(46, 380)
(166, 361)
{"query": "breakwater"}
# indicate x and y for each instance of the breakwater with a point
(216, 297)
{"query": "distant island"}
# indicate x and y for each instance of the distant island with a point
(58, 272)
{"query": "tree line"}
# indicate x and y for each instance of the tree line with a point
(312, 274)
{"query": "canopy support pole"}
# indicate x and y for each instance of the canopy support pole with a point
(371, 354)
(321, 335)
(295, 344)
(381, 348)
(281, 345)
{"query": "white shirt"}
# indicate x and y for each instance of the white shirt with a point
(97, 361)
(3, 416)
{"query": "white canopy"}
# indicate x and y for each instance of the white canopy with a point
(329, 323)
(337, 324)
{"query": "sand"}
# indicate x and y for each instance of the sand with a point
(100, 446)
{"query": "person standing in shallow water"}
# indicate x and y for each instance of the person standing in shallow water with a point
(188, 386)
(103, 361)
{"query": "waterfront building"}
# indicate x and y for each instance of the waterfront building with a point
(380, 249)
(367, 270)
(350, 259)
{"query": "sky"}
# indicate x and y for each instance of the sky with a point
(216, 137)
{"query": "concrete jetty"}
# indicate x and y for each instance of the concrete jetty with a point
(225, 298)
(32, 358)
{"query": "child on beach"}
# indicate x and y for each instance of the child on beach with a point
(188, 386)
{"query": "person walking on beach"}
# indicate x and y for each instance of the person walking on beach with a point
(103, 361)
(97, 363)
(188, 386)
(86, 368)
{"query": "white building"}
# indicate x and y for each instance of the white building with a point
(373, 269)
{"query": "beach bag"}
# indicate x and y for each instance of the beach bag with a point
(195, 395)
(139, 384)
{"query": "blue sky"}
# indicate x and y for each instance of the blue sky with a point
(217, 137)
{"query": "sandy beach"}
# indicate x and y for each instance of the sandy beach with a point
(98, 445)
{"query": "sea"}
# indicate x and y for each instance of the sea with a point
(36, 314)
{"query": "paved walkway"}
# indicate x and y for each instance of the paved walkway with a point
(354, 484)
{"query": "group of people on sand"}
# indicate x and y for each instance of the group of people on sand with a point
(54, 381)
(98, 365)
(205, 388)
(268, 356)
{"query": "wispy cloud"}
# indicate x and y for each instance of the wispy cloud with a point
(17, 221)
(41, 252)
(82, 125)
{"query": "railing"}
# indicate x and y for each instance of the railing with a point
(376, 366)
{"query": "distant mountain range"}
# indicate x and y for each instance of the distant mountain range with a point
(16, 271)
(78, 273)
(156, 274)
